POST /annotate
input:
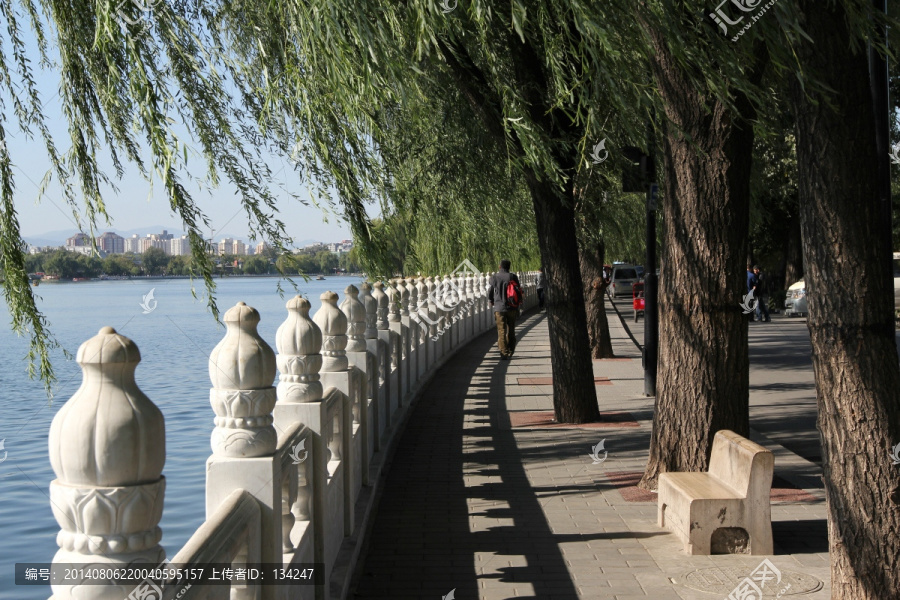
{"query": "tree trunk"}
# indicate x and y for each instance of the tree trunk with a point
(850, 321)
(574, 393)
(594, 289)
(793, 271)
(703, 372)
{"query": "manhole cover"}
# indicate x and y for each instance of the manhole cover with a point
(724, 580)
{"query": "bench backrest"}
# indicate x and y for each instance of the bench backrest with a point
(743, 465)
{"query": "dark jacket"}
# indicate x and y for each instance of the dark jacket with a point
(753, 283)
(497, 291)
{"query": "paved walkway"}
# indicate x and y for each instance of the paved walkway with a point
(485, 497)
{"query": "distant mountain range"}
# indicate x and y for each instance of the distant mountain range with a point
(59, 236)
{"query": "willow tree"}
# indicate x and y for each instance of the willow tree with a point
(534, 80)
(851, 320)
(709, 97)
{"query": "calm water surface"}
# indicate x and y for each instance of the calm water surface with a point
(175, 340)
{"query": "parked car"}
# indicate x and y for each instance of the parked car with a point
(795, 302)
(623, 278)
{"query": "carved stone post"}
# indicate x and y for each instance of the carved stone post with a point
(299, 391)
(436, 323)
(299, 360)
(489, 313)
(424, 326)
(452, 306)
(358, 356)
(376, 355)
(336, 373)
(107, 449)
(242, 370)
(399, 384)
(384, 335)
(409, 366)
(404, 297)
(415, 356)
(299, 342)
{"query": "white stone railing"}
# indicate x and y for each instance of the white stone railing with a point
(290, 478)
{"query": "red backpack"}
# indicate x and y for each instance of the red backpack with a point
(513, 295)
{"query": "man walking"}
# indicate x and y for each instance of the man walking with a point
(541, 282)
(504, 315)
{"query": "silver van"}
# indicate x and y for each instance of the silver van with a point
(623, 278)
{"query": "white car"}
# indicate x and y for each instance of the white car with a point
(795, 302)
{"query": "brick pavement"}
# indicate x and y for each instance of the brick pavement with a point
(482, 497)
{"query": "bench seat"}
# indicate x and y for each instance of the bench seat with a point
(727, 509)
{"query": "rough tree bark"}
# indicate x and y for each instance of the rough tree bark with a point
(851, 321)
(703, 372)
(574, 393)
(594, 291)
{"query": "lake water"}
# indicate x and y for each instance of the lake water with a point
(175, 340)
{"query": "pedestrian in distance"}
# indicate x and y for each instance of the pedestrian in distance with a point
(541, 282)
(762, 311)
(505, 296)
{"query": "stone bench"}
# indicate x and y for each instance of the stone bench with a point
(725, 510)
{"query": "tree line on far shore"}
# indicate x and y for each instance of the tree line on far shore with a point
(67, 265)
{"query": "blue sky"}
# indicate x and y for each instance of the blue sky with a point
(137, 204)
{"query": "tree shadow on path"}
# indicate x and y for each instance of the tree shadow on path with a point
(422, 543)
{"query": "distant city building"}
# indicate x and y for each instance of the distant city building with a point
(231, 246)
(133, 244)
(80, 243)
(340, 247)
(179, 246)
(111, 243)
(78, 240)
(261, 248)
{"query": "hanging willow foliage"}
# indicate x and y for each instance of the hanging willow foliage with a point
(315, 78)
